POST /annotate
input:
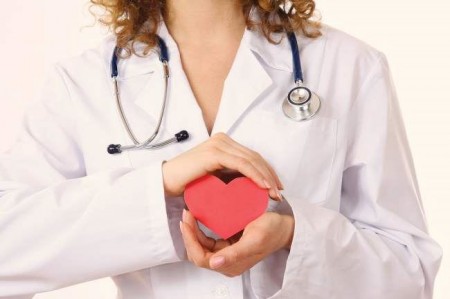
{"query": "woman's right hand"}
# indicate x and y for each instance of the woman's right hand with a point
(217, 153)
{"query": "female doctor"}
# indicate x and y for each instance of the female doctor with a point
(346, 220)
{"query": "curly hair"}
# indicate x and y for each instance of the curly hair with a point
(137, 20)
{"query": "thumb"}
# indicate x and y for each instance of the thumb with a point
(230, 255)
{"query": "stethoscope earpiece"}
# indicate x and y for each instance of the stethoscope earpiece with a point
(182, 135)
(114, 149)
(117, 148)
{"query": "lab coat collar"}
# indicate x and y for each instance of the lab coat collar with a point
(244, 85)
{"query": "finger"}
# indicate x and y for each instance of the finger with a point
(247, 168)
(230, 255)
(237, 149)
(243, 165)
(265, 163)
(232, 270)
(221, 244)
(279, 183)
(202, 238)
(210, 243)
(194, 249)
(232, 147)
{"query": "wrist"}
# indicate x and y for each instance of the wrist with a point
(168, 189)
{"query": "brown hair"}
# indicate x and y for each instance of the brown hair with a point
(137, 20)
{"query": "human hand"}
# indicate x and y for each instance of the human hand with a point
(261, 237)
(219, 152)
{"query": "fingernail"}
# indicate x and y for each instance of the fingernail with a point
(266, 183)
(184, 215)
(279, 195)
(217, 261)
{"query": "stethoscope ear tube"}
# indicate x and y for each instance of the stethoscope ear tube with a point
(114, 63)
(180, 136)
(114, 149)
(117, 148)
(301, 103)
(298, 72)
(164, 53)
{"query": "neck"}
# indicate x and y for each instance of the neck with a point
(197, 21)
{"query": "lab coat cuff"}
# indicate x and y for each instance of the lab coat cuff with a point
(159, 222)
(309, 219)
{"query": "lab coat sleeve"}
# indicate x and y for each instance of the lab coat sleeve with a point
(59, 226)
(377, 245)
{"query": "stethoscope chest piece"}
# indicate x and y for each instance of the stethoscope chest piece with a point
(301, 104)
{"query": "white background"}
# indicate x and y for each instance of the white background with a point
(415, 36)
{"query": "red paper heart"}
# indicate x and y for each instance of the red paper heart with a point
(225, 208)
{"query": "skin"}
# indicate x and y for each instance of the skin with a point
(201, 28)
(265, 235)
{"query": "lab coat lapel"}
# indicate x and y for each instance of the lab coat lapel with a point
(245, 83)
(142, 95)
(145, 78)
(150, 91)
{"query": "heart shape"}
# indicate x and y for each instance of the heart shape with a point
(225, 208)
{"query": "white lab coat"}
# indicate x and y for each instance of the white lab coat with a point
(71, 213)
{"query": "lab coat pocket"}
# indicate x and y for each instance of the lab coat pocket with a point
(309, 173)
(301, 153)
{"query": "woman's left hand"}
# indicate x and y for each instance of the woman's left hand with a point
(263, 236)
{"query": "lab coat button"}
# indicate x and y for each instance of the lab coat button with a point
(221, 292)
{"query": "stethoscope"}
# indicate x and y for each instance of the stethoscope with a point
(300, 104)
